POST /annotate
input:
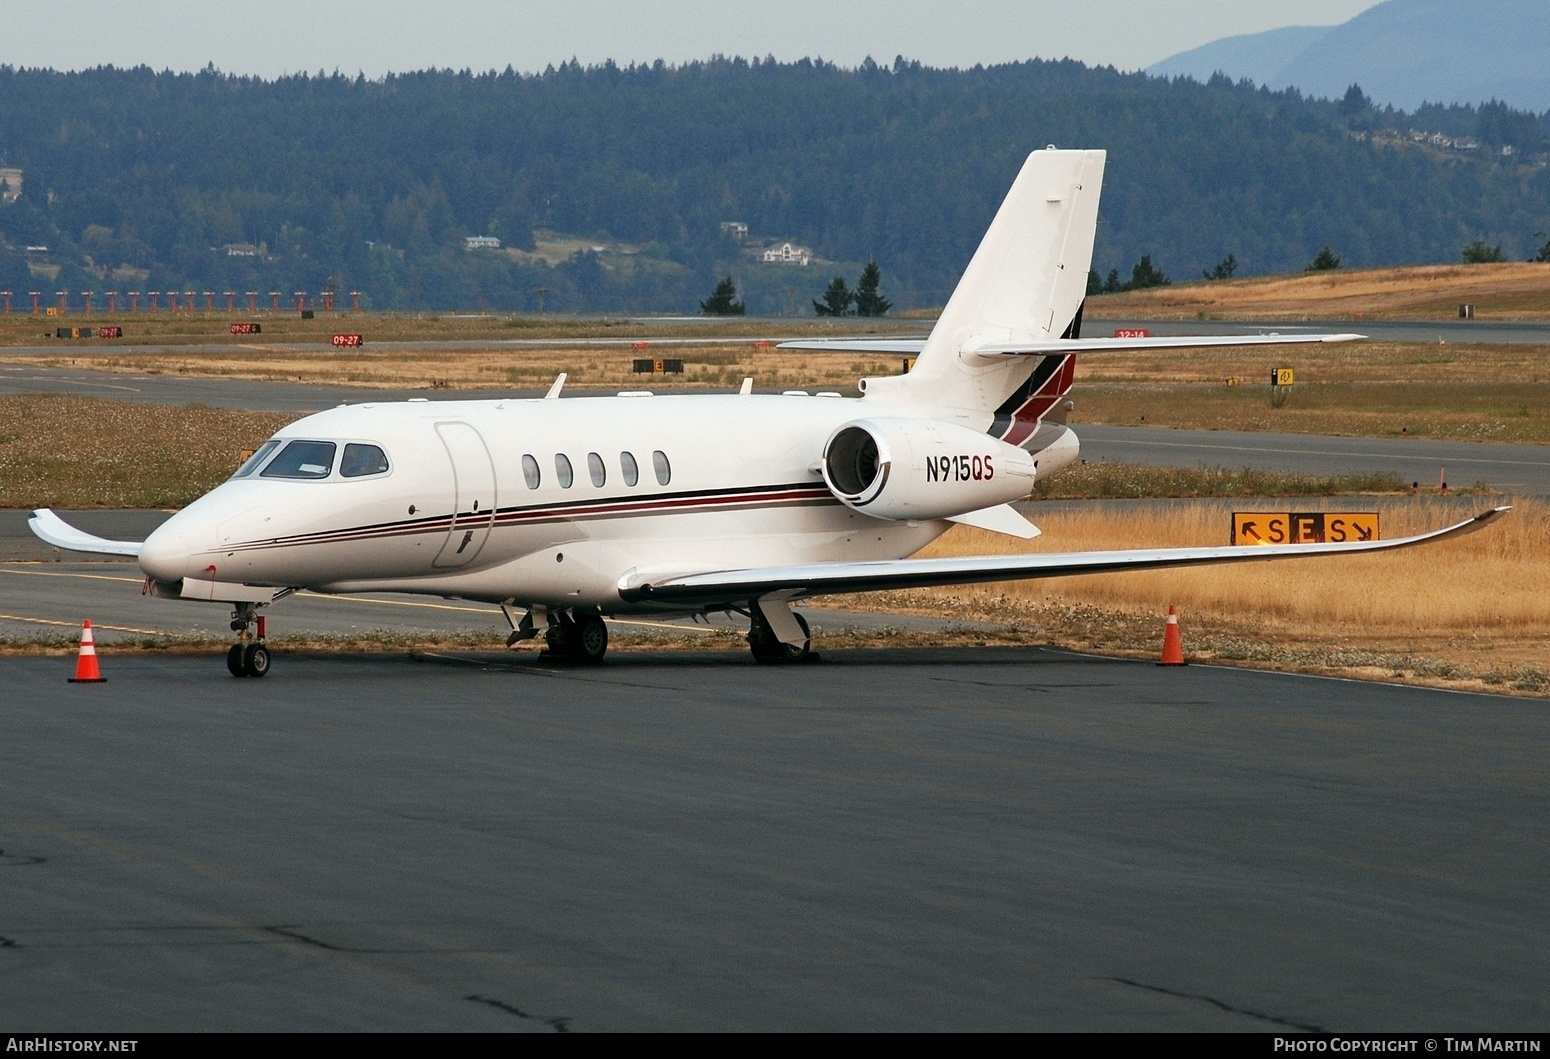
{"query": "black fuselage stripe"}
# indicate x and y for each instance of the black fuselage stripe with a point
(614, 507)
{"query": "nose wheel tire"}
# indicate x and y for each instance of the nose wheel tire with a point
(582, 639)
(255, 660)
(589, 639)
(247, 660)
(767, 650)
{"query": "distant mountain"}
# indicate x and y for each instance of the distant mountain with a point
(1409, 52)
(1252, 55)
(1402, 52)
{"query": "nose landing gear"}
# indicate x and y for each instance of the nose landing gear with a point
(247, 657)
(576, 637)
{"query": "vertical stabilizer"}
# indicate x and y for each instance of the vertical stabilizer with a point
(1026, 282)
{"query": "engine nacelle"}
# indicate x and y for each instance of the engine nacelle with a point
(912, 469)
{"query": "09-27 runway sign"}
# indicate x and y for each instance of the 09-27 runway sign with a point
(1303, 527)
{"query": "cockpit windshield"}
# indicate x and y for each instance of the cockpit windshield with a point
(302, 459)
(255, 461)
(359, 460)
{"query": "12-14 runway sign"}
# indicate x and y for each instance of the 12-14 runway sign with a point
(1303, 527)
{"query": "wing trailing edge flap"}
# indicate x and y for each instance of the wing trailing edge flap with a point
(795, 582)
(52, 529)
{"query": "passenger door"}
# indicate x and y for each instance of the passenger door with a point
(473, 477)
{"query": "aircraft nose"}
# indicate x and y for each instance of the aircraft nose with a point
(166, 555)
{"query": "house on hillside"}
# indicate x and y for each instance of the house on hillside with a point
(481, 242)
(240, 250)
(10, 184)
(788, 254)
(736, 229)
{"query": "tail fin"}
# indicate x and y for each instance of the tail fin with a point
(1025, 283)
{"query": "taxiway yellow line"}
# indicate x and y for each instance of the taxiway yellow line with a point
(73, 625)
(87, 577)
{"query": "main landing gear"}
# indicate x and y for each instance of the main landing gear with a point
(766, 646)
(248, 657)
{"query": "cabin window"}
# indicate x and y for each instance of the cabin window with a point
(530, 472)
(562, 470)
(361, 460)
(628, 466)
(596, 470)
(253, 462)
(662, 467)
(302, 459)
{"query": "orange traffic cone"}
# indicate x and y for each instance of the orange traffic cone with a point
(1173, 643)
(86, 671)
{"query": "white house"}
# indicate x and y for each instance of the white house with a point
(10, 184)
(482, 242)
(788, 254)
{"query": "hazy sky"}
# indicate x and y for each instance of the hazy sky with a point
(270, 37)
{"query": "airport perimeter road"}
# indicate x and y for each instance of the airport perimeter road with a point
(944, 840)
(1519, 469)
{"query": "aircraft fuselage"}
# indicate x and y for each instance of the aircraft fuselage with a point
(541, 502)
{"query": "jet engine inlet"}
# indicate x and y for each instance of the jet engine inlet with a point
(853, 463)
(893, 468)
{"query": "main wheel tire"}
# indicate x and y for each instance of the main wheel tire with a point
(234, 661)
(589, 639)
(255, 660)
(768, 650)
(799, 653)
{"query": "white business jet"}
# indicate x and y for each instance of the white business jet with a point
(567, 511)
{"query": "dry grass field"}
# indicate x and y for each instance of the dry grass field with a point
(64, 451)
(1471, 612)
(1505, 291)
(1477, 393)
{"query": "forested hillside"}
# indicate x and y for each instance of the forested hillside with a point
(137, 180)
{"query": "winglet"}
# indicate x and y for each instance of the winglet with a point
(54, 530)
(559, 384)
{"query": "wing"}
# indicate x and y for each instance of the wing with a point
(795, 582)
(56, 531)
(1063, 345)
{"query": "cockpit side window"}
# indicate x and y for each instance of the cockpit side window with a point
(302, 459)
(360, 460)
(255, 461)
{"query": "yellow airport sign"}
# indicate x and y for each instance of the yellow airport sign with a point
(1282, 377)
(1262, 528)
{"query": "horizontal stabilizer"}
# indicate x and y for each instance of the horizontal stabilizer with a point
(1003, 518)
(906, 346)
(56, 531)
(1116, 345)
(832, 578)
(1057, 346)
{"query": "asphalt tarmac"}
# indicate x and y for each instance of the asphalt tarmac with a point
(928, 840)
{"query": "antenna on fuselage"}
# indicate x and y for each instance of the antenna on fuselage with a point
(554, 390)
